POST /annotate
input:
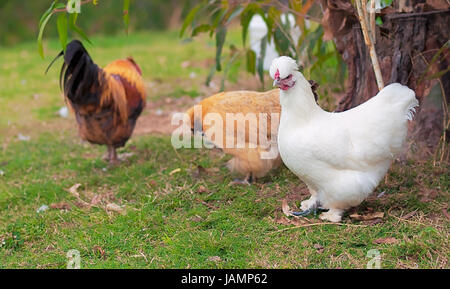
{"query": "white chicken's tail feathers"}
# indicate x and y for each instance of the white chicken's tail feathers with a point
(411, 110)
(403, 96)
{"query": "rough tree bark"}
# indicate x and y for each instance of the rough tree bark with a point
(413, 31)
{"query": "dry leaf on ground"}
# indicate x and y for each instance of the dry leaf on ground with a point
(175, 171)
(99, 250)
(74, 190)
(60, 206)
(282, 220)
(214, 259)
(388, 240)
(444, 211)
(294, 221)
(318, 247)
(202, 189)
(428, 195)
(114, 208)
(125, 156)
(367, 217)
(80, 202)
(96, 200)
(285, 208)
(409, 215)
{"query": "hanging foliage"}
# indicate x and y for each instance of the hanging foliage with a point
(302, 40)
(67, 14)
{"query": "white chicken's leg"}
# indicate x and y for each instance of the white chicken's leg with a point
(311, 203)
(333, 215)
(308, 206)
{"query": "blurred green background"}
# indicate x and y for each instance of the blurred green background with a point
(144, 15)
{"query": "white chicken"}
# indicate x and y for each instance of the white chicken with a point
(341, 157)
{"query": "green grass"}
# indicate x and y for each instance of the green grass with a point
(175, 217)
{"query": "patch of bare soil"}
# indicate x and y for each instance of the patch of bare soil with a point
(157, 116)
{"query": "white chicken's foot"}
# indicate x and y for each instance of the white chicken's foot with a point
(333, 215)
(307, 207)
(311, 203)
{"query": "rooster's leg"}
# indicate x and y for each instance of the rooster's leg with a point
(112, 155)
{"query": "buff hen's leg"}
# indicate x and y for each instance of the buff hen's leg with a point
(248, 180)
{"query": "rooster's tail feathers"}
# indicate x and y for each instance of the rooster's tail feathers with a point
(80, 76)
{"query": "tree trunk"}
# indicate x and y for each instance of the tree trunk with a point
(405, 45)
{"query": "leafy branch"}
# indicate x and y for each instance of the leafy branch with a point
(95, 2)
(67, 20)
(293, 28)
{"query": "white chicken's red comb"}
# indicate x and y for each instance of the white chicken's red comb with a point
(277, 74)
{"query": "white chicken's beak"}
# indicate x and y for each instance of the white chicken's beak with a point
(276, 83)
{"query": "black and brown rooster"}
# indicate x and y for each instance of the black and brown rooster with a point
(106, 102)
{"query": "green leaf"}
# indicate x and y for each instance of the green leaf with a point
(126, 14)
(261, 60)
(73, 25)
(434, 59)
(235, 13)
(200, 29)
(211, 73)
(282, 43)
(41, 33)
(251, 61)
(379, 21)
(227, 69)
(316, 36)
(221, 33)
(385, 3)
(273, 17)
(218, 17)
(43, 22)
(189, 18)
(60, 6)
(321, 60)
(46, 13)
(62, 26)
(438, 74)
